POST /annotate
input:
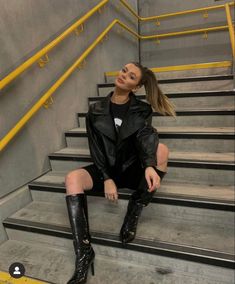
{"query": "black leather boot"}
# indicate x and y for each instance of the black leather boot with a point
(81, 238)
(139, 199)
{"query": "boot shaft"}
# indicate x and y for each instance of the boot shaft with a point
(78, 221)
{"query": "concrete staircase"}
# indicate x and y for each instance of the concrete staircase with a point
(186, 235)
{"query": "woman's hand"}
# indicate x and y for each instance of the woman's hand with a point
(110, 190)
(152, 179)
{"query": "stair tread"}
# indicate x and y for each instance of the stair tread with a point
(194, 227)
(179, 129)
(179, 155)
(223, 193)
(58, 264)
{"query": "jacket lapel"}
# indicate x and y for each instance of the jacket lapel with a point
(131, 122)
(102, 118)
(104, 123)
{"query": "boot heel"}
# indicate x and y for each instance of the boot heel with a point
(92, 268)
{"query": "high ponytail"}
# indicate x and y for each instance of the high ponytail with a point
(159, 102)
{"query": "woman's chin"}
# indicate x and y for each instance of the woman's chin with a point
(120, 86)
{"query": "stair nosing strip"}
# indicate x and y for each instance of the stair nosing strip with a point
(139, 244)
(177, 135)
(186, 112)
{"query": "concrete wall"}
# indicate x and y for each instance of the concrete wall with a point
(183, 49)
(25, 26)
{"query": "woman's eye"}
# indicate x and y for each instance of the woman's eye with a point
(124, 70)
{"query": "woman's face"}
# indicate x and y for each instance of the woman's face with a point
(128, 78)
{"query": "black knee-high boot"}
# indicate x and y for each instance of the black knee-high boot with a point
(85, 255)
(139, 199)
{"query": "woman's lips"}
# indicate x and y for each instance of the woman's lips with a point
(120, 81)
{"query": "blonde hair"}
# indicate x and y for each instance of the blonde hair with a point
(159, 102)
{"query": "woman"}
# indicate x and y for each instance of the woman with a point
(126, 153)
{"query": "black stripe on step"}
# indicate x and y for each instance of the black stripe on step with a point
(70, 157)
(190, 253)
(201, 164)
(196, 79)
(182, 135)
(191, 112)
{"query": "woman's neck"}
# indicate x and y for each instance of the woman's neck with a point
(120, 96)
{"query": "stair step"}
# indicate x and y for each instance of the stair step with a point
(170, 192)
(115, 265)
(203, 99)
(198, 72)
(178, 86)
(198, 167)
(194, 158)
(223, 132)
(182, 94)
(201, 139)
(191, 233)
(187, 79)
(213, 117)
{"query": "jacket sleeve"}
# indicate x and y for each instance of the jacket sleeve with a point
(147, 142)
(96, 147)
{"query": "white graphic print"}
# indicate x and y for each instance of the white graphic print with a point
(118, 122)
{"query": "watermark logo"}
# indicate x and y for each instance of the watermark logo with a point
(17, 270)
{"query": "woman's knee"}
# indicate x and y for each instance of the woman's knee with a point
(71, 177)
(78, 181)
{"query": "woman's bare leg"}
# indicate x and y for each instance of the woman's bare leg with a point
(78, 181)
(162, 157)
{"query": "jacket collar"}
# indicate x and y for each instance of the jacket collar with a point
(104, 122)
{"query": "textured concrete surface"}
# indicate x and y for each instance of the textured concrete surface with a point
(188, 49)
(183, 87)
(201, 145)
(182, 225)
(56, 265)
(10, 204)
(202, 102)
(193, 175)
(190, 120)
(207, 157)
(167, 186)
(32, 24)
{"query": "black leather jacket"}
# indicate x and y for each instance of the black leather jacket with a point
(137, 139)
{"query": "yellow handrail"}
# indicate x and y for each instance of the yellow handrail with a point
(52, 89)
(231, 28)
(157, 36)
(152, 18)
(57, 84)
(11, 76)
(181, 67)
(20, 69)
